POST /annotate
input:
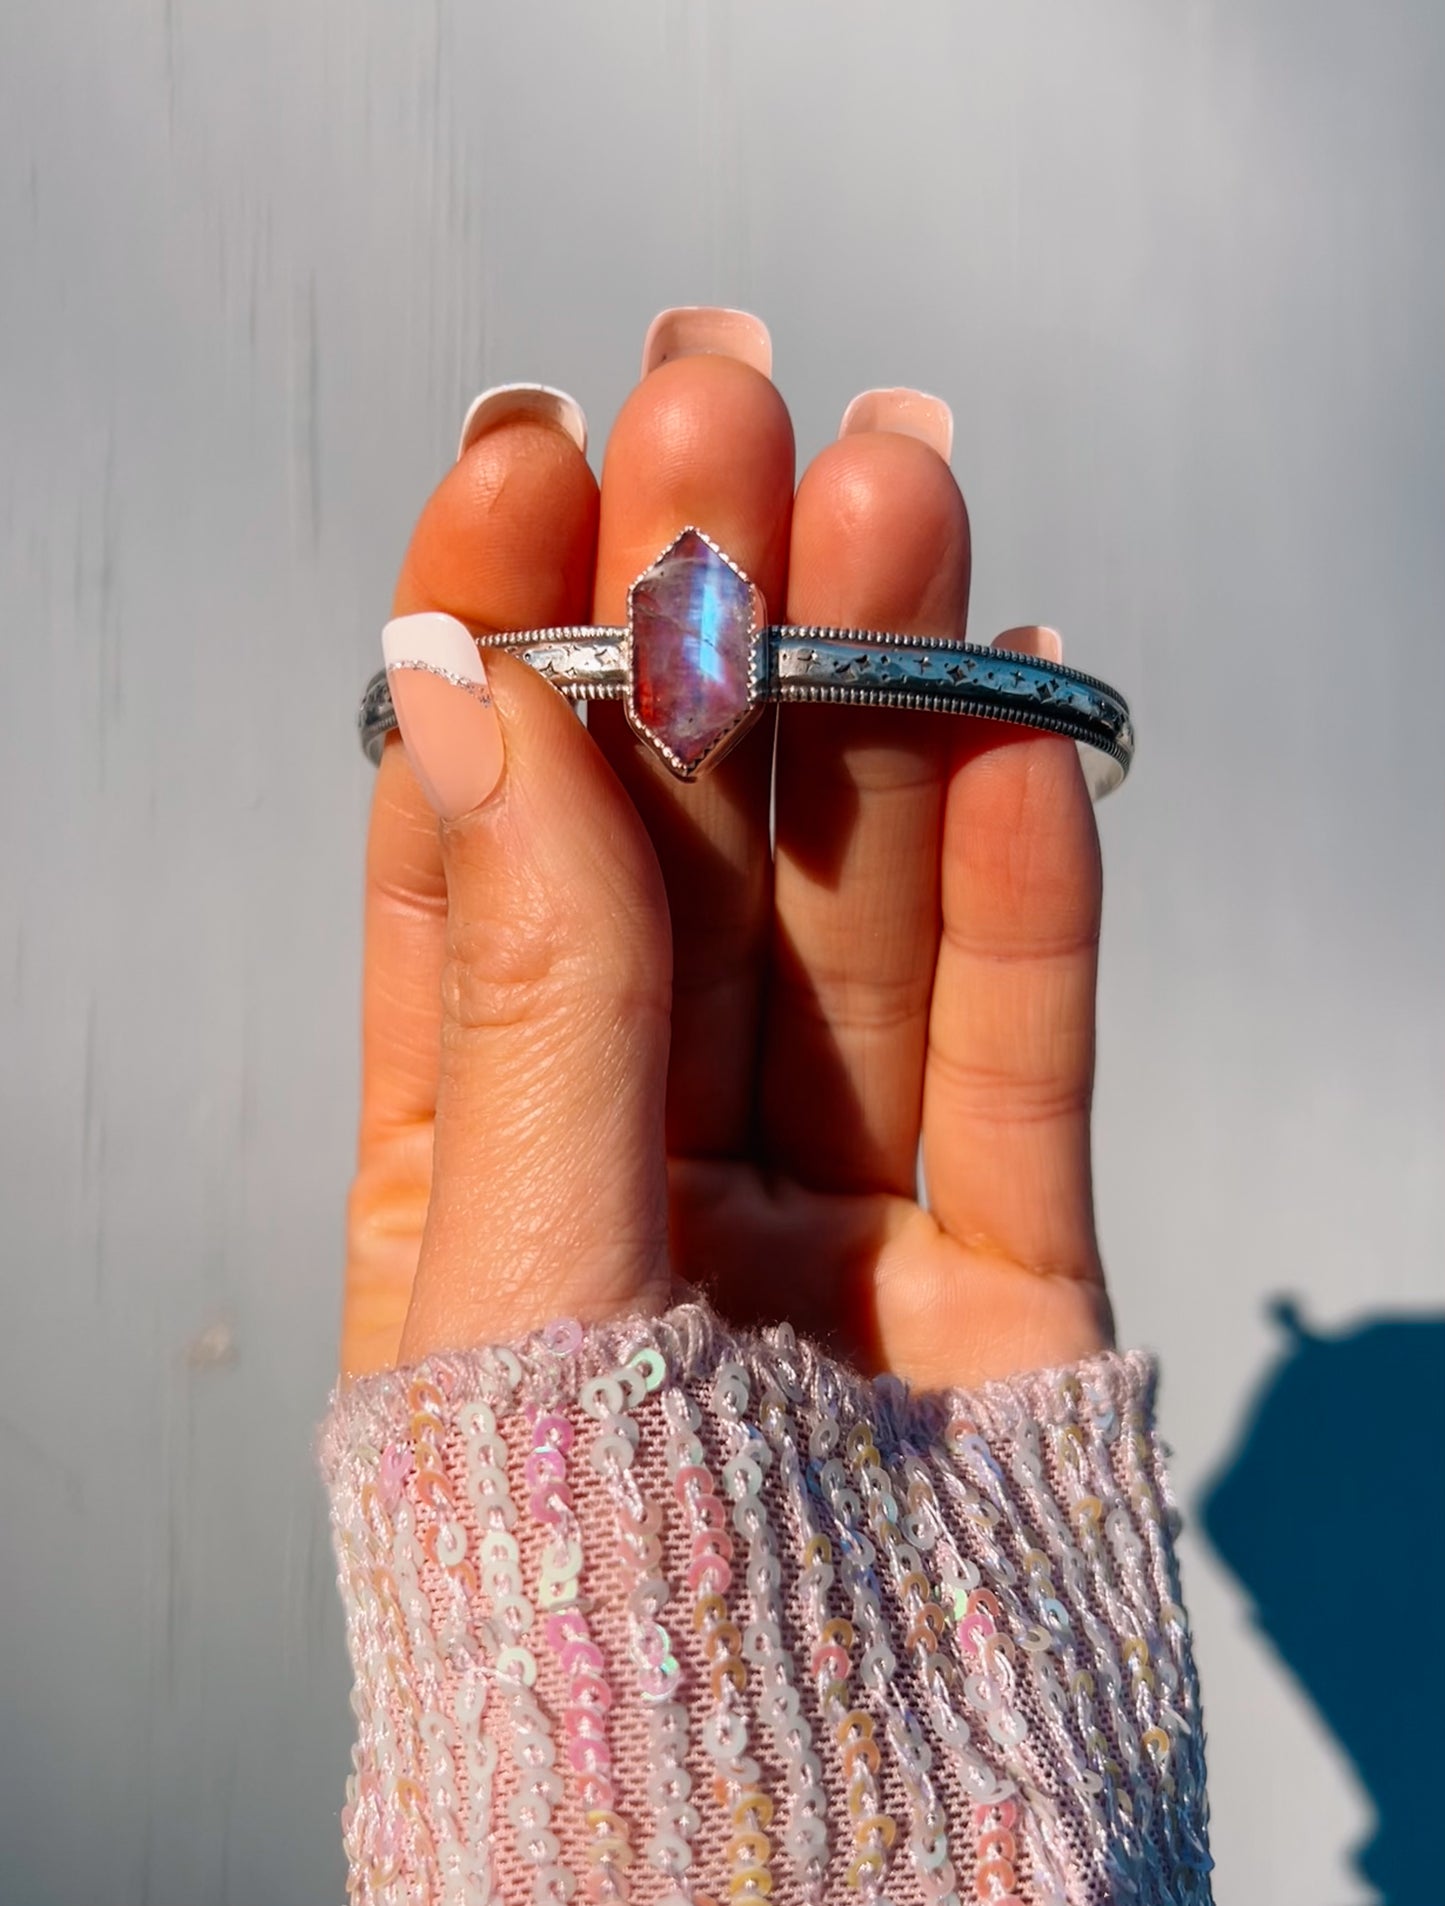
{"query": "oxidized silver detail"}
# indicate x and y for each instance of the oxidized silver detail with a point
(861, 668)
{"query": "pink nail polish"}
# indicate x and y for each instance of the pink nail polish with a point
(908, 413)
(691, 330)
(1045, 645)
(444, 709)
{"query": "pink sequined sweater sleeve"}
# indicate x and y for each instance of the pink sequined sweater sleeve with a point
(660, 1613)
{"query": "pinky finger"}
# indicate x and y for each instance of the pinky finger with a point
(1009, 1079)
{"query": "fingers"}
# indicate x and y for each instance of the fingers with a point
(880, 540)
(1010, 1064)
(704, 440)
(549, 1186)
(507, 540)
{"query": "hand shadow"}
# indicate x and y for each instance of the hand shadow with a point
(1331, 1512)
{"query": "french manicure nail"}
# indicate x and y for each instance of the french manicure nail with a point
(692, 330)
(1045, 645)
(908, 413)
(444, 709)
(503, 402)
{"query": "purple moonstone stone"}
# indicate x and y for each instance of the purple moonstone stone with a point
(692, 618)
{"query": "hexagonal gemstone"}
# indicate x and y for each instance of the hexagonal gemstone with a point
(692, 618)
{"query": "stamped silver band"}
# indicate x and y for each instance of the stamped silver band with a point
(726, 636)
(863, 669)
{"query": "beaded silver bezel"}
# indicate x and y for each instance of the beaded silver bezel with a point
(757, 665)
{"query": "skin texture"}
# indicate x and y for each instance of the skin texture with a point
(610, 1042)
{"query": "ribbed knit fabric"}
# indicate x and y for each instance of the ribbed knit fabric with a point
(662, 1613)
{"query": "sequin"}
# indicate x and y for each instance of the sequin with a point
(564, 1337)
(603, 1396)
(652, 1365)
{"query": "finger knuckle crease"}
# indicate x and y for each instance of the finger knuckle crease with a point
(993, 951)
(849, 1004)
(997, 1096)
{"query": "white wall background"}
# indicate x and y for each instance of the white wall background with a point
(1178, 269)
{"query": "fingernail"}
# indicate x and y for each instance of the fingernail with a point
(908, 413)
(444, 710)
(691, 330)
(503, 402)
(1045, 645)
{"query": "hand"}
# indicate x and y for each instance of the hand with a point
(610, 1039)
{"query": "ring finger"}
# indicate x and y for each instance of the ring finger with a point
(880, 540)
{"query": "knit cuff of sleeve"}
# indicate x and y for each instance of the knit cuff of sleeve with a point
(668, 1613)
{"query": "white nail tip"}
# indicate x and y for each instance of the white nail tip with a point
(505, 401)
(905, 412)
(694, 330)
(433, 641)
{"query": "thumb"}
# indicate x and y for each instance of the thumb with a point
(549, 1175)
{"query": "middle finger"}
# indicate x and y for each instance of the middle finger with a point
(704, 440)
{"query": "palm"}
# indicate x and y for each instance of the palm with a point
(798, 1198)
(873, 1278)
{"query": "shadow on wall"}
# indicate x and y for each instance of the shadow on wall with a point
(1331, 1512)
